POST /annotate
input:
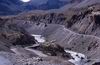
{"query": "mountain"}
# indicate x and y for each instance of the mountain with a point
(10, 7)
(75, 29)
(87, 3)
(53, 4)
(71, 34)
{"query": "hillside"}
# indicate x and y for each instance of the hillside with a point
(64, 32)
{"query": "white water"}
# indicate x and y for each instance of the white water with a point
(39, 38)
(79, 58)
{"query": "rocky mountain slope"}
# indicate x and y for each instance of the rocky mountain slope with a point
(74, 29)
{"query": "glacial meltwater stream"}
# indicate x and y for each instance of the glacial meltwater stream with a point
(39, 38)
(78, 58)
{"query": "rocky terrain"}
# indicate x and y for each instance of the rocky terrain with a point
(65, 36)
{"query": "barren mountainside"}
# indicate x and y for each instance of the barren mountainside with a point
(76, 29)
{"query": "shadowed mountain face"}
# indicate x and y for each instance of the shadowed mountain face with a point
(53, 4)
(10, 7)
